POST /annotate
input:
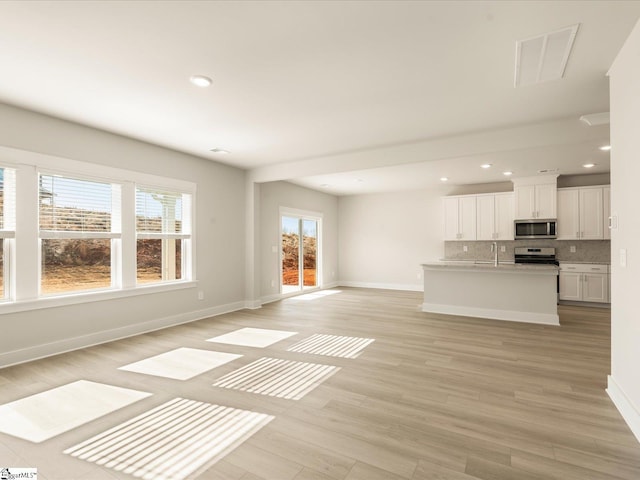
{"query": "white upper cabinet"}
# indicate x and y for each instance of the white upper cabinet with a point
(460, 217)
(568, 214)
(581, 213)
(525, 200)
(591, 214)
(546, 200)
(494, 216)
(505, 215)
(535, 197)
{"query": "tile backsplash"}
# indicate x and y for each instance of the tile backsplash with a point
(596, 251)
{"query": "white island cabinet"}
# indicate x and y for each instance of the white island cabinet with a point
(513, 292)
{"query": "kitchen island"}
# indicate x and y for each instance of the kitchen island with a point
(513, 292)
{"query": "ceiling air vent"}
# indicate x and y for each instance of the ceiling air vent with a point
(543, 58)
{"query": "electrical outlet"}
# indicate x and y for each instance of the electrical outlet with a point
(465, 248)
(503, 248)
(274, 249)
(273, 283)
(419, 275)
(623, 257)
(572, 249)
(200, 295)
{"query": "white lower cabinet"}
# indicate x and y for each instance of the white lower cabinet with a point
(584, 282)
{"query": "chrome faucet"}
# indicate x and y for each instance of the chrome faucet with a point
(494, 250)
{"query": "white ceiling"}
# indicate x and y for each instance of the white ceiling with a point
(362, 96)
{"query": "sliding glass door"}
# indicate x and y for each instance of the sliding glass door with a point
(300, 252)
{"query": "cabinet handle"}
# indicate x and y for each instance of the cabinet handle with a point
(610, 222)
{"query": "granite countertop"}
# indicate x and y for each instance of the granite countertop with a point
(488, 266)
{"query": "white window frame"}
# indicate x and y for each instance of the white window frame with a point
(114, 235)
(8, 235)
(25, 260)
(185, 235)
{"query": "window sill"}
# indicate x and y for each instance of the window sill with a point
(91, 296)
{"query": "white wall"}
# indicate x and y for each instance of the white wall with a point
(385, 237)
(624, 382)
(274, 195)
(220, 239)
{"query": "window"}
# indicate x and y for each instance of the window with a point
(74, 232)
(77, 237)
(7, 227)
(163, 235)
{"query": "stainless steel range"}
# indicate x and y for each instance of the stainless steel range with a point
(538, 255)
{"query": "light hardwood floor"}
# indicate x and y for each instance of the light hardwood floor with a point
(433, 397)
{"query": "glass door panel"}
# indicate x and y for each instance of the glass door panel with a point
(290, 254)
(309, 252)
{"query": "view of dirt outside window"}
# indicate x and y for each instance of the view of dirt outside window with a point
(149, 257)
(75, 234)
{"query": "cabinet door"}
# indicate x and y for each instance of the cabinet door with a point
(591, 222)
(524, 201)
(451, 218)
(485, 217)
(568, 214)
(595, 288)
(545, 201)
(570, 286)
(606, 212)
(504, 216)
(467, 218)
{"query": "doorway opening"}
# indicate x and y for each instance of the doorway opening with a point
(300, 252)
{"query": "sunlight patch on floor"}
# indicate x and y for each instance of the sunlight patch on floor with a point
(313, 295)
(44, 415)
(181, 363)
(175, 440)
(332, 345)
(277, 378)
(253, 337)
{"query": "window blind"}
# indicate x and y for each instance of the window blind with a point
(158, 211)
(74, 205)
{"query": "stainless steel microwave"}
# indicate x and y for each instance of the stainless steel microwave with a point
(535, 228)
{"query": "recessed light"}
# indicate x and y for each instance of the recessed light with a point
(219, 150)
(443, 179)
(605, 148)
(359, 180)
(200, 81)
(507, 173)
(324, 185)
(589, 165)
(485, 165)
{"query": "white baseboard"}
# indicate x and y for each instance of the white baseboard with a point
(68, 344)
(626, 408)
(508, 315)
(383, 286)
(271, 298)
(253, 304)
